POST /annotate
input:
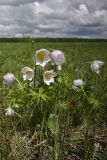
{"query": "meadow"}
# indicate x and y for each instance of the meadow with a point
(54, 122)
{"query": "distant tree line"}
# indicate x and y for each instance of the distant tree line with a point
(32, 40)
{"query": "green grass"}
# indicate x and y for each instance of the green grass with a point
(52, 126)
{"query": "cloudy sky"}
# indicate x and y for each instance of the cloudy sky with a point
(53, 18)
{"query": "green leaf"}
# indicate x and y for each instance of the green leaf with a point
(53, 124)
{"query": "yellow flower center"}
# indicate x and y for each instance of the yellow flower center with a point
(40, 55)
(48, 76)
(28, 71)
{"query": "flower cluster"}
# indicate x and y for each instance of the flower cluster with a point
(56, 57)
(42, 57)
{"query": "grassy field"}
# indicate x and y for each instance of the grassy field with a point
(54, 122)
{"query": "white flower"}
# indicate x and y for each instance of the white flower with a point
(9, 112)
(57, 57)
(42, 57)
(9, 79)
(96, 65)
(48, 77)
(28, 73)
(77, 83)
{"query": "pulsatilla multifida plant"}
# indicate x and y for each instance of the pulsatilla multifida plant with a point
(36, 96)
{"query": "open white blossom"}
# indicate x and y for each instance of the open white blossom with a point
(42, 57)
(9, 79)
(96, 65)
(77, 83)
(48, 77)
(9, 112)
(28, 73)
(57, 57)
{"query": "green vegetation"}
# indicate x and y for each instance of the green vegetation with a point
(27, 38)
(54, 122)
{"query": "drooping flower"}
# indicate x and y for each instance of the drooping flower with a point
(48, 77)
(96, 65)
(28, 73)
(77, 83)
(42, 57)
(57, 57)
(9, 112)
(9, 79)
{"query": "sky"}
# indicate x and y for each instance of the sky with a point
(53, 18)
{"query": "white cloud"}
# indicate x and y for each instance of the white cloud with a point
(43, 9)
(83, 9)
(15, 2)
(53, 18)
